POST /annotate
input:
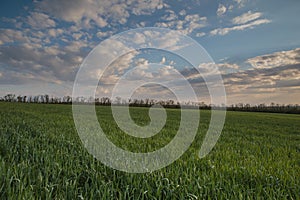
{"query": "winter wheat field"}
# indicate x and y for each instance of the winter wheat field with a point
(42, 157)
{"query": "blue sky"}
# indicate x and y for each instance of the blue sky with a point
(254, 43)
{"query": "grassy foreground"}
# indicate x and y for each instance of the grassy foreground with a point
(41, 157)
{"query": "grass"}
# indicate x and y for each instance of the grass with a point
(41, 157)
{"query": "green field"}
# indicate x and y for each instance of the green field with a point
(42, 157)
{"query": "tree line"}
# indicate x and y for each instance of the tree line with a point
(106, 101)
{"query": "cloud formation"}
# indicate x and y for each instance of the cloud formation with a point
(186, 25)
(48, 43)
(245, 21)
(221, 10)
(276, 59)
(275, 77)
(102, 13)
(40, 20)
(246, 17)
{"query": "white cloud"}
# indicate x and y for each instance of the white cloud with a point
(246, 17)
(182, 12)
(241, 3)
(251, 25)
(75, 10)
(11, 35)
(26, 76)
(167, 71)
(77, 36)
(142, 63)
(200, 34)
(163, 60)
(247, 20)
(119, 11)
(100, 12)
(55, 32)
(230, 8)
(262, 85)
(170, 40)
(115, 70)
(276, 59)
(144, 7)
(39, 20)
(209, 70)
(141, 25)
(53, 62)
(222, 66)
(221, 10)
(189, 24)
(75, 46)
(139, 73)
(275, 77)
(217, 68)
(102, 34)
(171, 16)
(139, 38)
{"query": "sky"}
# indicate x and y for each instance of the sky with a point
(255, 44)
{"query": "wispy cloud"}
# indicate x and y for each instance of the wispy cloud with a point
(246, 17)
(245, 21)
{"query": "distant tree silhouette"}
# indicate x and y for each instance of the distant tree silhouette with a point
(106, 101)
(9, 97)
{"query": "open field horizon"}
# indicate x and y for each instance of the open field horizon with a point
(256, 157)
